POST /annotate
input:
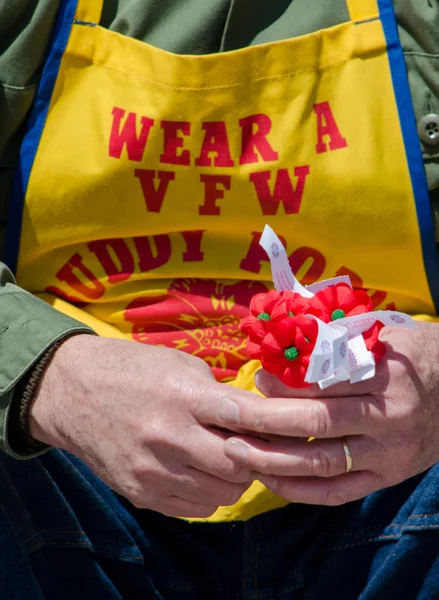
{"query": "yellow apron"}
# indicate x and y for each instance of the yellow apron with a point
(146, 179)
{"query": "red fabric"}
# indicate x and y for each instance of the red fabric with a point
(253, 327)
(339, 297)
(372, 342)
(198, 316)
(278, 306)
(298, 332)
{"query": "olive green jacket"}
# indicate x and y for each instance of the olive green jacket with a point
(27, 325)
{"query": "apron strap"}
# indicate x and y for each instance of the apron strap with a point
(89, 11)
(362, 10)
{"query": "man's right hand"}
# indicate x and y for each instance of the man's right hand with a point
(149, 421)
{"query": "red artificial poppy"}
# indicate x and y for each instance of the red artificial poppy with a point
(373, 344)
(267, 315)
(253, 349)
(290, 304)
(339, 301)
(255, 325)
(287, 353)
(267, 312)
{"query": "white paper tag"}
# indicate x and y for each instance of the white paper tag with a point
(325, 283)
(283, 277)
(361, 361)
(358, 324)
(330, 352)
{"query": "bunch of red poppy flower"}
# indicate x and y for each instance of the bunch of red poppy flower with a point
(283, 338)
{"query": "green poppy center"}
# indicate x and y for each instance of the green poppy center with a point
(291, 353)
(338, 313)
(290, 314)
(264, 316)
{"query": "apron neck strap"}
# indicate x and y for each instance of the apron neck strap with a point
(362, 10)
(89, 11)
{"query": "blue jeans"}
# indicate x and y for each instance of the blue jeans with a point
(65, 536)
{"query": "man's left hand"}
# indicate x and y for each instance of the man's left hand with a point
(390, 423)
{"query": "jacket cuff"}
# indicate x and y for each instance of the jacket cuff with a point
(28, 328)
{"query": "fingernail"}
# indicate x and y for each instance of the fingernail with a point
(258, 377)
(269, 482)
(236, 451)
(229, 411)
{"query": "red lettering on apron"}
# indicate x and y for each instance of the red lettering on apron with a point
(173, 143)
(135, 144)
(327, 127)
(120, 250)
(154, 197)
(212, 193)
(283, 191)
(253, 140)
(148, 259)
(193, 241)
(315, 271)
(215, 141)
(94, 290)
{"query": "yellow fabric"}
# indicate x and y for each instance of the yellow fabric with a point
(89, 12)
(360, 10)
(296, 134)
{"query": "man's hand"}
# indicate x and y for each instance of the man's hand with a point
(148, 421)
(390, 423)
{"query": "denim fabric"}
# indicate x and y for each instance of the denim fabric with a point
(65, 535)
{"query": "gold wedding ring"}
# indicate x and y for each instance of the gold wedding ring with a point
(348, 455)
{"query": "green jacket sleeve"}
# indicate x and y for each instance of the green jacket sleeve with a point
(28, 327)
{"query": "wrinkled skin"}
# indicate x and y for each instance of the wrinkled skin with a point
(143, 418)
(390, 422)
(156, 427)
